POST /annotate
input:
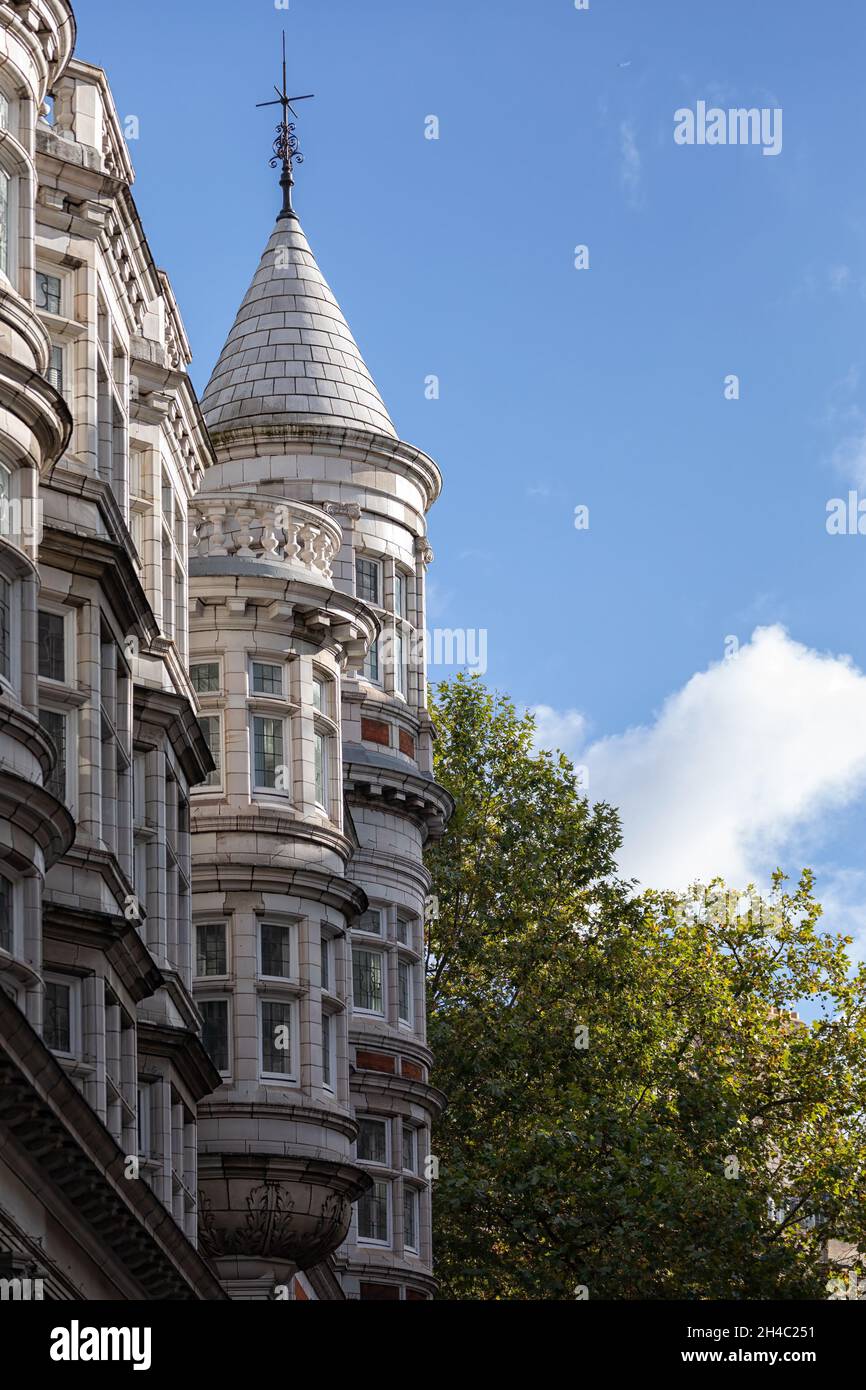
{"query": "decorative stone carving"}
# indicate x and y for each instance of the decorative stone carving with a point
(247, 527)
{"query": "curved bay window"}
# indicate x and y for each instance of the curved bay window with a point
(387, 587)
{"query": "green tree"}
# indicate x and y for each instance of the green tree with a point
(634, 1109)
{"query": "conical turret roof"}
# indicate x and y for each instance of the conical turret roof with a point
(290, 356)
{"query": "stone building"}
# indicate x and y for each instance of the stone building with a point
(215, 757)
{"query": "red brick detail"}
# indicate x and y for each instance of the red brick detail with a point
(413, 1296)
(374, 731)
(375, 1061)
(299, 1293)
(412, 1070)
(407, 744)
(380, 1292)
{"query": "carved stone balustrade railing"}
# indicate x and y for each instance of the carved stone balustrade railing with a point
(247, 526)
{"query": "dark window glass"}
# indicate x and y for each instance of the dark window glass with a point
(57, 1017)
(52, 647)
(206, 678)
(367, 573)
(276, 950)
(54, 725)
(211, 950)
(6, 920)
(276, 1038)
(215, 1034)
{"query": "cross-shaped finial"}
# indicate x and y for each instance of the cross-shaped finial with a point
(286, 148)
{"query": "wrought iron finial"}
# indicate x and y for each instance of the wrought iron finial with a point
(286, 147)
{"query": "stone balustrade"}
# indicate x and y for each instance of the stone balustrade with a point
(247, 526)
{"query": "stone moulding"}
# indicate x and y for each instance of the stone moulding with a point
(247, 526)
(272, 1208)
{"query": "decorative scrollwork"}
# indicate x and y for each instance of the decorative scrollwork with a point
(286, 146)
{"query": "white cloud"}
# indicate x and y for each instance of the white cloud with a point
(565, 730)
(630, 167)
(740, 765)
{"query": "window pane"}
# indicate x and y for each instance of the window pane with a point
(319, 696)
(367, 981)
(321, 770)
(367, 573)
(409, 1149)
(4, 222)
(210, 727)
(371, 921)
(4, 111)
(373, 1213)
(55, 368)
(327, 1030)
(410, 1219)
(6, 919)
(404, 931)
(52, 647)
(400, 595)
(57, 1017)
(211, 950)
(48, 292)
(5, 652)
(276, 952)
(276, 1038)
(267, 680)
(399, 664)
(206, 678)
(268, 739)
(215, 1034)
(54, 725)
(373, 1141)
(326, 963)
(404, 990)
(371, 662)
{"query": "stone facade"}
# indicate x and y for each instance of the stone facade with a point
(215, 755)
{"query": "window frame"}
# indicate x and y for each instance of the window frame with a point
(385, 1124)
(70, 720)
(292, 929)
(376, 562)
(217, 975)
(206, 694)
(225, 999)
(403, 963)
(292, 1077)
(281, 694)
(383, 957)
(67, 615)
(214, 780)
(73, 984)
(14, 948)
(285, 721)
(54, 273)
(379, 1242)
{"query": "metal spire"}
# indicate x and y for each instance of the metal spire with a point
(286, 148)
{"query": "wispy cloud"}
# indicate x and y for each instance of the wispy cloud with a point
(630, 164)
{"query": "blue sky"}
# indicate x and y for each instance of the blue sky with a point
(560, 387)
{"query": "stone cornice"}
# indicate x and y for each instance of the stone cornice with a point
(19, 724)
(117, 938)
(37, 812)
(379, 780)
(241, 442)
(105, 561)
(383, 1084)
(185, 1051)
(54, 1125)
(170, 714)
(26, 394)
(291, 1106)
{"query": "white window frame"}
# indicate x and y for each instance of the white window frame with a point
(207, 694)
(210, 785)
(196, 927)
(375, 560)
(329, 1030)
(322, 739)
(414, 1197)
(365, 1119)
(12, 682)
(71, 719)
(382, 913)
(357, 1008)
(69, 645)
(11, 270)
(389, 1218)
(292, 929)
(15, 910)
(221, 999)
(75, 1031)
(144, 1120)
(409, 965)
(55, 273)
(292, 1077)
(267, 694)
(64, 381)
(284, 719)
(326, 967)
(410, 1131)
